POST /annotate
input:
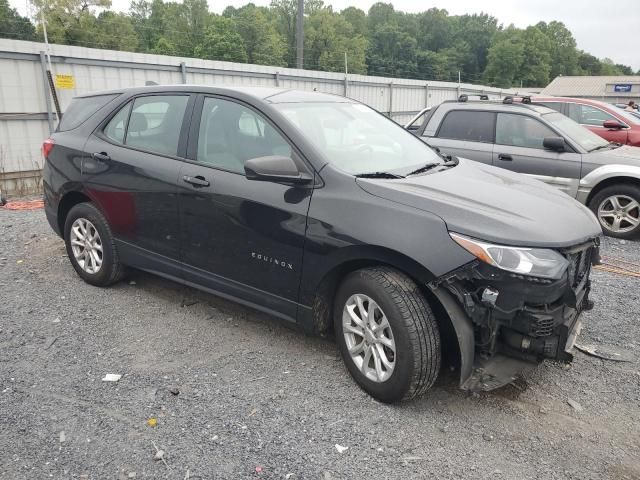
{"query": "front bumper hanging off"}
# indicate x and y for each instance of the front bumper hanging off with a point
(506, 323)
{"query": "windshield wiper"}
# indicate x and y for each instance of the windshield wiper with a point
(425, 168)
(608, 145)
(378, 175)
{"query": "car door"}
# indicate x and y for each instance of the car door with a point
(519, 147)
(593, 118)
(467, 134)
(132, 172)
(240, 237)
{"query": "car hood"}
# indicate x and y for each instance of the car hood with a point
(625, 155)
(493, 204)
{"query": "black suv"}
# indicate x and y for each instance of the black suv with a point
(321, 211)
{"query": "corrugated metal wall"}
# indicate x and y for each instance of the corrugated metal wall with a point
(23, 100)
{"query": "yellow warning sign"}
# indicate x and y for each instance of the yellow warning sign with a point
(65, 81)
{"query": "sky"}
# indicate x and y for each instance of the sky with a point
(600, 27)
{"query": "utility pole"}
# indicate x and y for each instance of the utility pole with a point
(300, 34)
(54, 94)
(346, 70)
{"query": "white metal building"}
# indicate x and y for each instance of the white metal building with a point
(27, 114)
(612, 89)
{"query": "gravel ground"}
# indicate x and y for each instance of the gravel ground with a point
(258, 399)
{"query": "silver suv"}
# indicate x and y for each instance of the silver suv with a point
(544, 144)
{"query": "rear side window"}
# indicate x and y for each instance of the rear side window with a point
(150, 123)
(521, 131)
(155, 123)
(557, 106)
(116, 127)
(468, 125)
(81, 109)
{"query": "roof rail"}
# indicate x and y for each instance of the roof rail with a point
(464, 97)
(526, 99)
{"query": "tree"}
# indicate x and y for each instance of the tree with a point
(504, 58)
(222, 42)
(564, 56)
(357, 18)
(536, 63)
(286, 12)
(12, 25)
(477, 31)
(163, 47)
(263, 44)
(328, 36)
(392, 52)
(70, 22)
(435, 30)
(115, 31)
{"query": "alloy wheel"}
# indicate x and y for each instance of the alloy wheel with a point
(369, 338)
(86, 245)
(619, 213)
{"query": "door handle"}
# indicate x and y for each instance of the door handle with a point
(101, 157)
(197, 181)
(505, 157)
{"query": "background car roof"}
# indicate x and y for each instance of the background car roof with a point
(495, 106)
(268, 94)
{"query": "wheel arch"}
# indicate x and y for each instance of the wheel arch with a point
(321, 313)
(607, 182)
(67, 202)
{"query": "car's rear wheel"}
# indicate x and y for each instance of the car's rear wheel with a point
(90, 246)
(387, 334)
(618, 210)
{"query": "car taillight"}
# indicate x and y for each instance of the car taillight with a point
(47, 146)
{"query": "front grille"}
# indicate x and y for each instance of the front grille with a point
(579, 266)
(542, 326)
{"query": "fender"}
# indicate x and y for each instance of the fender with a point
(598, 175)
(464, 332)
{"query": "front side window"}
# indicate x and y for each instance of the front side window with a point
(580, 135)
(588, 115)
(356, 139)
(468, 126)
(155, 123)
(521, 131)
(230, 134)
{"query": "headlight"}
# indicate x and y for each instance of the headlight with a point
(538, 262)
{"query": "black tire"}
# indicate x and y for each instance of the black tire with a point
(627, 190)
(111, 270)
(414, 328)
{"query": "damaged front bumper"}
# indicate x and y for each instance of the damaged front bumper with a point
(506, 323)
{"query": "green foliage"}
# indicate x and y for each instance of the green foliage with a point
(12, 25)
(222, 42)
(264, 45)
(431, 45)
(328, 37)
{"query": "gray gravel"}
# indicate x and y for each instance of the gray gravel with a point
(258, 399)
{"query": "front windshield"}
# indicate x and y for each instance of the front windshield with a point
(357, 139)
(630, 117)
(579, 134)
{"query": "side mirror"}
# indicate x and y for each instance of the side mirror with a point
(612, 125)
(275, 169)
(557, 144)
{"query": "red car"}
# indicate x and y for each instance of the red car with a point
(604, 119)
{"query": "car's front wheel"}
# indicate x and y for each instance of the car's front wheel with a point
(90, 246)
(618, 210)
(387, 334)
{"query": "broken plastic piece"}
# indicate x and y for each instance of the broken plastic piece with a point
(112, 377)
